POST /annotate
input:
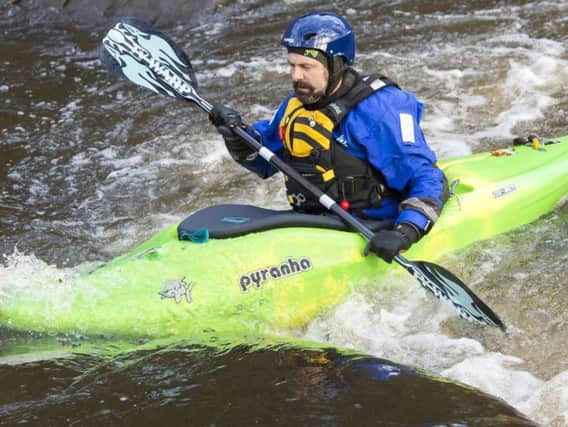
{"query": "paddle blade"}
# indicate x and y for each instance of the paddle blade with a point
(445, 285)
(135, 51)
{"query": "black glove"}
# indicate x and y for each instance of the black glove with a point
(224, 119)
(388, 243)
(223, 116)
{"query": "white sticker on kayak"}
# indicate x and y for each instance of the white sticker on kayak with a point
(503, 191)
(177, 290)
(407, 128)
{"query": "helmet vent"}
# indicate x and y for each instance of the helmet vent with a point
(309, 36)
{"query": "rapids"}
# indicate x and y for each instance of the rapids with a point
(90, 167)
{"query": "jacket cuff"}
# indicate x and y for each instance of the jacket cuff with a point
(410, 232)
(416, 219)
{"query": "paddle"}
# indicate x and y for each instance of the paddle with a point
(133, 50)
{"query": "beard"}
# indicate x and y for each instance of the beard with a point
(308, 96)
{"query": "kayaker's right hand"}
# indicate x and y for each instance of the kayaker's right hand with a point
(388, 243)
(225, 119)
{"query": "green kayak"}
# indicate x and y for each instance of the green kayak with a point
(235, 268)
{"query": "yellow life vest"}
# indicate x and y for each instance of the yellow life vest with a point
(304, 131)
(310, 148)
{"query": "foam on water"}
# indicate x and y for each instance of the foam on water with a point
(25, 274)
(407, 329)
(549, 402)
(254, 68)
(527, 86)
(494, 99)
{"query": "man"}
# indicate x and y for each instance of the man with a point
(355, 137)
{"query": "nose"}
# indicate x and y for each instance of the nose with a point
(296, 74)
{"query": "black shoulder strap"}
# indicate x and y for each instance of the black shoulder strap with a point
(364, 87)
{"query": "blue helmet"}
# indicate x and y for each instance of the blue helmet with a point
(324, 31)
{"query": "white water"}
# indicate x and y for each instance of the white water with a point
(408, 327)
(472, 95)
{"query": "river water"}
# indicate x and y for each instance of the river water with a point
(90, 167)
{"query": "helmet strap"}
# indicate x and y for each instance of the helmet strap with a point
(336, 66)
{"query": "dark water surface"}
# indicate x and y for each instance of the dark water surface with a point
(90, 166)
(188, 385)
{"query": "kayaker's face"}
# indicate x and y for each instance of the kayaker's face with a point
(309, 77)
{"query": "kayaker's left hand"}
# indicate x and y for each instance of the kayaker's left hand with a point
(388, 243)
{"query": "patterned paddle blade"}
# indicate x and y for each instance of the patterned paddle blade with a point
(133, 50)
(445, 285)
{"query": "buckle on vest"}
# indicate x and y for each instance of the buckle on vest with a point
(347, 187)
(376, 196)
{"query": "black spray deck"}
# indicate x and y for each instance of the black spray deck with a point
(231, 220)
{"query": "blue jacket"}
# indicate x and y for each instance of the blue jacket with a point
(383, 129)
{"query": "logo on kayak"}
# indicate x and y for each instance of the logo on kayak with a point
(288, 268)
(177, 290)
(235, 219)
(503, 191)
